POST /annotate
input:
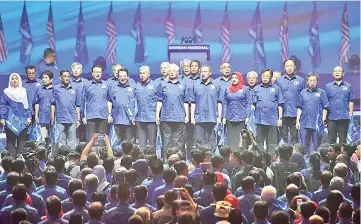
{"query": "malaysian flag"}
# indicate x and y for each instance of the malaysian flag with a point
(81, 49)
(3, 48)
(284, 34)
(255, 31)
(345, 41)
(26, 41)
(314, 49)
(50, 28)
(137, 32)
(226, 38)
(197, 30)
(112, 38)
(169, 26)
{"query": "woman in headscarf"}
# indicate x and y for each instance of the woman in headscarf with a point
(15, 114)
(99, 171)
(236, 108)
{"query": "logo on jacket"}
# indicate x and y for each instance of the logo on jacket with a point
(318, 94)
(344, 88)
(272, 90)
(129, 89)
(150, 87)
(296, 83)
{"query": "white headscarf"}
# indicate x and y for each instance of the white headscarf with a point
(99, 171)
(17, 94)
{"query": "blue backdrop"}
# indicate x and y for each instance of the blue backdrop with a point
(154, 14)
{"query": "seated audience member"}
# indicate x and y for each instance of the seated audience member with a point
(83, 173)
(96, 213)
(315, 219)
(333, 151)
(247, 201)
(121, 213)
(322, 192)
(341, 170)
(181, 168)
(297, 156)
(126, 161)
(336, 184)
(113, 198)
(218, 166)
(204, 196)
(195, 176)
(169, 176)
(92, 160)
(108, 164)
(351, 165)
(257, 179)
(308, 208)
(53, 207)
(18, 215)
(356, 216)
(73, 185)
(324, 213)
(6, 163)
(79, 201)
(269, 195)
(333, 201)
(344, 213)
(156, 169)
(293, 206)
(141, 166)
(91, 186)
(164, 215)
(260, 212)
(247, 161)
(99, 197)
(130, 177)
(312, 174)
(140, 195)
(12, 179)
(325, 162)
(291, 192)
(59, 164)
(127, 147)
(355, 195)
(280, 217)
(146, 214)
(207, 214)
(50, 188)
(225, 152)
(180, 181)
(103, 184)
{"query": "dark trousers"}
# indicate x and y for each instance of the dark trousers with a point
(267, 133)
(172, 135)
(97, 125)
(15, 144)
(233, 131)
(124, 132)
(205, 134)
(306, 135)
(81, 134)
(146, 133)
(337, 127)
(289, 126)
(189, 136)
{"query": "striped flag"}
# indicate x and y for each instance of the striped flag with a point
(26, 40)
(50, 28)
(284, 34)
(345, 40)
(314, 49)
(112, 38)
(226, 38)
(169, 26)
(255, 31)
(197, 30)
(3, 48)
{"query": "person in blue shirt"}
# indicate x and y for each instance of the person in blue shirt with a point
(122, 106)
(204, 195)
(195, 176)
(291, 85)
(236, 107)
(140, 195)
(31, 84)
(260, 212)
(156, 169)
(247, 201)
(65, 108)
(186, 68)
(15, 100)
(312, 107)
(219, 192)
(169, 176)
(59, 164)
(172, 111)
(11, 180)
(268, 102)
(95, 101)
(164, 71)
(252, 80)
(48, 64)
(224, 80)
(53, 207)
(42, 104)
(146, 99)
(324, 189)
(275, 76)
(340, 96)
(96, 212)
(50, 188)
(115, 76)
(123, 211)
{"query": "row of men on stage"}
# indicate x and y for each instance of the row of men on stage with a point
(186, 107)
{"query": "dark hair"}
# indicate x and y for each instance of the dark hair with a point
(79, 198)
(123, 70)
(345, 210)
(267, 70)
(159, 202)
(127, 147)
(170, 196)
(75, 218)
(64, 71)
(315, 163)
(280, 217)
(92, 160)
(123, 192)
(136, 152)
(333, 201)
(18, 165)
(323, 212)
(126, 161)
(348, 149)
(156, 166)
(108, 164)
(291, 192)
(180, 166)
(53, 205)
(80, 147)
(336, 147)
(84, 172)
(289, 59)
(12, 179)
(51, 176)
(18, 215)
(237, 154)
(96, 210)
(48, 51)
(256, 176)
(285, 151)
(113, 192)
(140, 192)
(340, 170)
(209, 178)
(169, 175)
(225, 151)
(355, 192)
(196, 61)
(325, 178)
(171, 151)
(29, 67)
(247, 184)
(190, 189)
(6, 163)
(308, 208)
(295, 179)
(27, 180)
(59, 163)
(186, 218)
(135, 219)
(131, 176)
(356, 216)
(181, 154)
(197, 156)
(73, 185)
(149, 150)
(219, 192)
(99, 197)
(247, 157)
(323, 149)
(260, 210)
(19, 192)
(47, 73)
(97, 66)
(217, 161)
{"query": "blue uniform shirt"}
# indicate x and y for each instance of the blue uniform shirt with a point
(37, 202)
(222, 84)
(160, 79)
(312, 102)
(123, 100)
(339, 96)
(43, 66)
(5, 213)
(161, 190)
(236, 106)
(119, 214)
(266, 100)
(290, 88)
(17, 108)
(146, 97)
(173, 96)
(111, 81)
(151, 185)
(246, 203)
(31, 88)
(48, 191)
(205, 96)
(66, 100)
(195, 178)
(43, 97)
(205, 195)
(95, 99)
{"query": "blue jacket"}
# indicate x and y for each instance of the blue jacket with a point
(5, 213)
(119, 214)
(151, 185)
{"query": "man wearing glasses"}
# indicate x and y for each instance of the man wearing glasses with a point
(48, 64)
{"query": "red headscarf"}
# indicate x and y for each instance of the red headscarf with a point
(235, 87)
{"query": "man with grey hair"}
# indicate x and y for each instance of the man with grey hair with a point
(145, 93)
(91, 184)
(172, 111)
(336, 183)
(164, 71)
(224, 80)
(342, 171)
(276, 75)
(115, 79)
(312, 107)
(252, 80)
(186, 68)
(269, 195)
